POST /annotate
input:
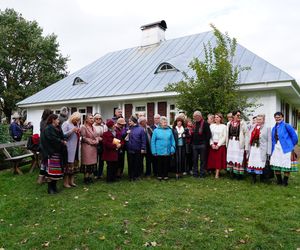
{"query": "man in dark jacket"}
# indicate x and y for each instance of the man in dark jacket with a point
(120, 128)
(118, 114)
(156, 121)
(15, 129)
(201, 135)
(136, 146)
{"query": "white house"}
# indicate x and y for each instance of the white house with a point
(134, 79)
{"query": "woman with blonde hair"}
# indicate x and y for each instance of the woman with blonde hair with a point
(71, 132)
(100, 128)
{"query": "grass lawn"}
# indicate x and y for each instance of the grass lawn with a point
(186, 214)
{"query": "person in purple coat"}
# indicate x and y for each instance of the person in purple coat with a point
(71, 132)
(136, 146)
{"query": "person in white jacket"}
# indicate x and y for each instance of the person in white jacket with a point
(237, 134)
(217, 151)
(260, 144)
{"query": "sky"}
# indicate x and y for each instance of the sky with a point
(88, 29)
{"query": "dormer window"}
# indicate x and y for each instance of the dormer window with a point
(165, 67)
(78, 81)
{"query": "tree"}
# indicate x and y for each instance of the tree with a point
(215, 87)
(29, 61)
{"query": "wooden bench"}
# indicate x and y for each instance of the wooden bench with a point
(16, 160)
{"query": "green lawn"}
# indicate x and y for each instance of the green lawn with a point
(185, 214)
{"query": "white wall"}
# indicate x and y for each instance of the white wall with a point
(107, 109)
(268, 101)
(34, 116)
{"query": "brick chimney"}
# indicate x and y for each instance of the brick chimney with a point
(153, 33)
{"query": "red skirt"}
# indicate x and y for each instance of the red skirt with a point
(217, 158)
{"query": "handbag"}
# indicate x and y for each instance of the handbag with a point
(267, 171)
(294, 161)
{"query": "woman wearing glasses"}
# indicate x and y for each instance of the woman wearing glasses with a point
(100, 128)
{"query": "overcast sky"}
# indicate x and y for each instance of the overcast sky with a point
(88, 29)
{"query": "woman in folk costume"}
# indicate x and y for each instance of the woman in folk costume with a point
(71, 132)
(89, 144)
(43, 125)
(260, 144)
(284, 139)
(237, 134)
(217, 151)
(53, 153)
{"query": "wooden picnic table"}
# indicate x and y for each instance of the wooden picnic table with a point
(25, 155)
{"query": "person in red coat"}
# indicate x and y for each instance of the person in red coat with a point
(110, 151)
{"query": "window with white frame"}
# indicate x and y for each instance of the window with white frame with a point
(140, 109)
(78, 81)
(163, 67)
(172, 113)
(82, 112)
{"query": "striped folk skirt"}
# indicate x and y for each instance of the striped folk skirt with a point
(255, 164)
(53, 167)
(280, 161)
(235, 157)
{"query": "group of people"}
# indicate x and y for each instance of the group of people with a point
(233, 146)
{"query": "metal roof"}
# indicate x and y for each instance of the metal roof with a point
(132, 71)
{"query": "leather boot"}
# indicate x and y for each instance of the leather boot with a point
(279, 179)
(253, 178)
(54, 186)
(285, 180)
(50, 188)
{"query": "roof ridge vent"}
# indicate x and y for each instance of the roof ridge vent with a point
(153, 33)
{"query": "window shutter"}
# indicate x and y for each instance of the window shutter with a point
(89, 110)
(73, 109)
(150, 113)
(162, 108)
(128, 111)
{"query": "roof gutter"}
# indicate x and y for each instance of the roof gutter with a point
(101, 99)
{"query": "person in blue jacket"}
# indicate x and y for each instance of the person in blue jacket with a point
(15, 128)
(135, 140)
(284, 139)
(162, 147)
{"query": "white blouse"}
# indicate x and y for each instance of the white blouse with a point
(218, 134)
